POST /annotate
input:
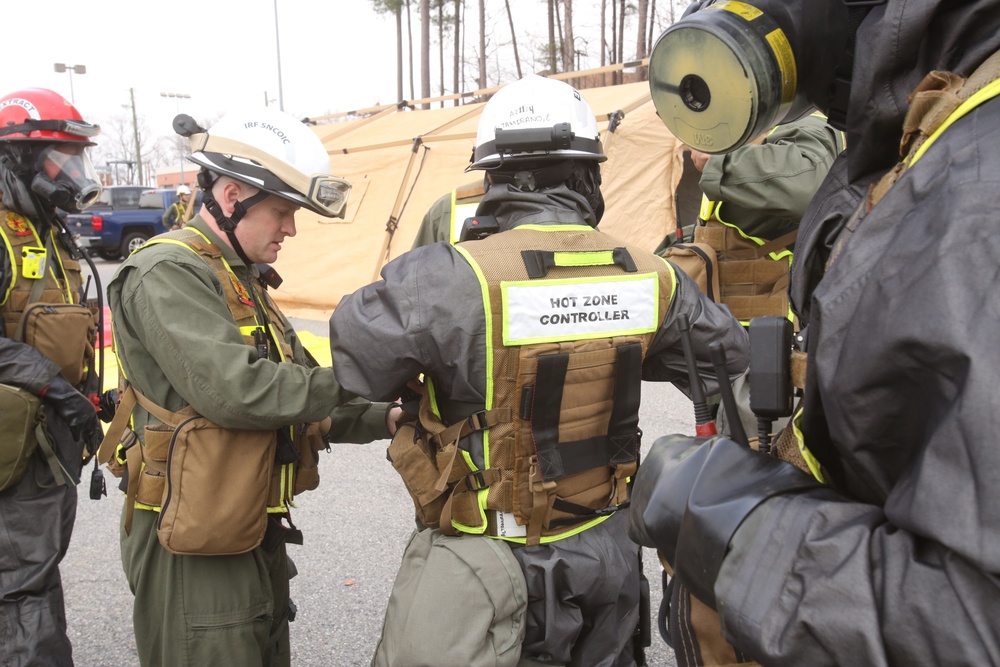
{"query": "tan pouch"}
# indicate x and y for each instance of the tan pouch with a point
(153, 478)
(20, 415)
(699, 261)
(64, 333)
(311, 441)
(217, 481)
(413, 459)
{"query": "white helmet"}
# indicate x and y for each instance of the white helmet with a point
(536, 119)
(275, 152)
(183, 190)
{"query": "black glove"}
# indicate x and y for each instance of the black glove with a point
(690, 496)
(71, 406)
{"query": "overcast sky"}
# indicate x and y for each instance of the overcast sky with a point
(336, 55)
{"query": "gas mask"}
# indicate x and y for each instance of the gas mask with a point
(65, 178)
(729, 71)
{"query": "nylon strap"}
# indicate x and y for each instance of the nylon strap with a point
(621, 444)
(539, 262)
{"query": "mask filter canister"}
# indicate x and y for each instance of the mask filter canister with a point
(722, 76)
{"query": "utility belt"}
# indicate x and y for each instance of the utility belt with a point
(753, 279)
(214, 488)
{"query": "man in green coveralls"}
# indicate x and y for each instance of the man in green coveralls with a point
(173, 305)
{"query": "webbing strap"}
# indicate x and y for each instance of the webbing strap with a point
(620, 445)
(59, 471)
(539, 262)
(126, 404)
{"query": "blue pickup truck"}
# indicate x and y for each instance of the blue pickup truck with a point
(122, 219)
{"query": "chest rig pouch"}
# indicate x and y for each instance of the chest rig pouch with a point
(41, 308)
(569, 327)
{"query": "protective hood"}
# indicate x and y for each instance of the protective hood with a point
(555, 205)
(898, 43)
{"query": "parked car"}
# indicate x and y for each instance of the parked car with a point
(122, 219)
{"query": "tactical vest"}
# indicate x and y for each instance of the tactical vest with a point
(753, 273)
(288, 478)
(570, 314)
(55, 322)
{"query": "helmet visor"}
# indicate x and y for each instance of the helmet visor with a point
(66, 177)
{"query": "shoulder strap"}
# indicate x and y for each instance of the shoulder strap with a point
(933, 102)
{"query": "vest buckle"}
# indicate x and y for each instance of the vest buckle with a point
(477, 420)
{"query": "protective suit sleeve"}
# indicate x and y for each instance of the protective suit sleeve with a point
(777, 178)
(710, 322)
(828, 582)
(354, 419)
(423, 316)
(175, 330)
(25, 367)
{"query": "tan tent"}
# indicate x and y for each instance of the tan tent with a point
(401, 161)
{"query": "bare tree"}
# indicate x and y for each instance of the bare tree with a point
(552, 37)
(117, 145)
(482, 44)
(395, 7)
(458, 50)
(640, 42)
(621, 39)
(568, 44)
(604, 39)
(425, 50)
(409, 36)
(440, 26)
(513, 38)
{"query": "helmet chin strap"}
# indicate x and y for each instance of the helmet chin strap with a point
(228, 223)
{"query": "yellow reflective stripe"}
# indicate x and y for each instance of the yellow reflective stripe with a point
(488, 312)
(144, 506)
(561, 536)
(275, 338)
(13, 274)
(432, 397)
(987, 92)
(557, 228)
(55, 251)
(774, 255)
(248, 331)
(811, 461)
(585, 258)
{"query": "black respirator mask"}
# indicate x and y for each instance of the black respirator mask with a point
(66, 180)
(729, 71)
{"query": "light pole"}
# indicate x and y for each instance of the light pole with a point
(277, 46)
(79, 69)
(135, 134)
(180, 151)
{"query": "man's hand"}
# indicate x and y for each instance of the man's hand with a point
(699, 159)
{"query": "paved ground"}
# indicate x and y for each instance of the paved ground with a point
(356, 525)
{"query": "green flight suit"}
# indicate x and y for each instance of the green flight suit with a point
(178, 344)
